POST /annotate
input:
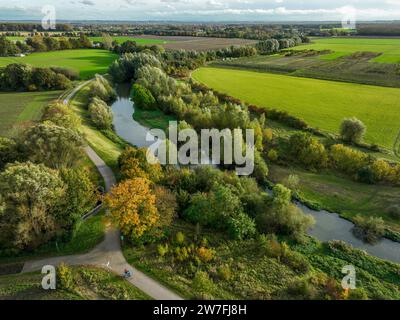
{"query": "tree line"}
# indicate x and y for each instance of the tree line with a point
(44, 187)
(38, 43)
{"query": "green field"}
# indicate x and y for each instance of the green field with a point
(390, 48)
(20, 107)
(322, 104)
(87, 62)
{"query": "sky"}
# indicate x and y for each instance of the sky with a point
(203, 10)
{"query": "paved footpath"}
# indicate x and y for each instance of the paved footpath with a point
(107, 254)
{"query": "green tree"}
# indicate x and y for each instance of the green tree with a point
(8, 152)
(29, 197)
(54, 146)
(61, 115)
(100, 114)
(283, 217)
(142, 97)
(80, 197)
(308, 151)
(352, 130)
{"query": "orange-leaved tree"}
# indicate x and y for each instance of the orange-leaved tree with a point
(133, 207)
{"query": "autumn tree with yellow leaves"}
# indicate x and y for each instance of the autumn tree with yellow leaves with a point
(132, 205)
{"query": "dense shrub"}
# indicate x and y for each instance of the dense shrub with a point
(369, 229)
(29, 200)
(61, 115)
(283, 217)
(8, 152)
(347, 160)
(102, 89)
(221, 209)
(142, 97)
(352, 130)
(308, 151)
(133, 163)
(101, 114)
(55, 146)
(126, 68)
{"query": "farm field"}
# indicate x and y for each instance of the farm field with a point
(322, 104)
(20, 107)
(390, 48)
(87, 62)
(198, 43)
(356, 67)
(144, 41)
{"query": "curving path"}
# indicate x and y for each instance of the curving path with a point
(107, 254)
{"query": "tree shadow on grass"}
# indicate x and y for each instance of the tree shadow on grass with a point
(98, 64)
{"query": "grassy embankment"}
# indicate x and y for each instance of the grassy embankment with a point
(107, 149)
(153, 119)
(89, 283)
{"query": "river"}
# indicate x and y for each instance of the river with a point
(328, 226)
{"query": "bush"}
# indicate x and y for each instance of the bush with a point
(308, 151)
(273, 155)
(366, 175)
(224, 273)
(142, 97)
(205, 255)
(65, 277)
(61, 115)
(347, 160)
(8, 152)
(69, 73)
(202, 285)
(179, 238)
(162, 250)
(101, 114)
(369, 229)
(352, 130)
(101, 88)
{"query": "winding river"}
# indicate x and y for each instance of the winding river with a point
(328, 226)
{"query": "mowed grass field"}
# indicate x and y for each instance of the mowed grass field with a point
(390, 48)
(87, 62)
(322, 104)
(20, 107)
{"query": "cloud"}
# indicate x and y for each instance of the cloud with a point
(88, 2)
(205, 10)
